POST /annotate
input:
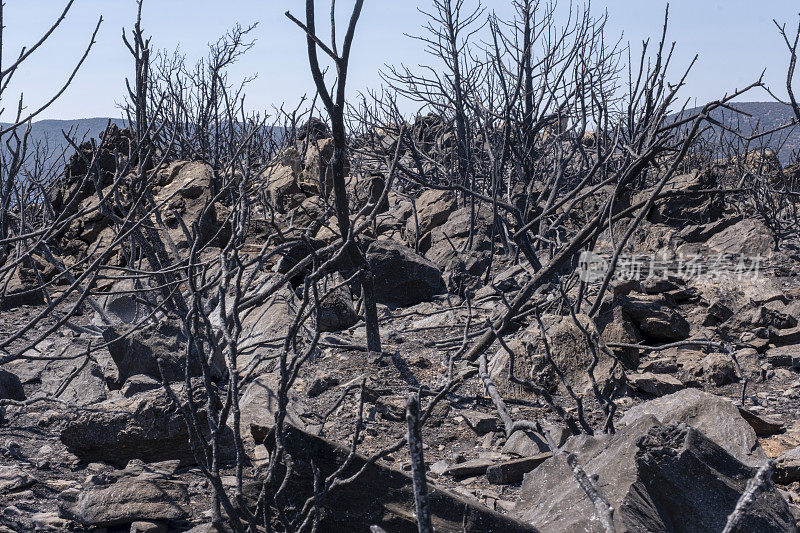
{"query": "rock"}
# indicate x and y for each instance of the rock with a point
(141, 350)
(10, 386)
(282, 187)
(678, 211)
(433, 209)
(660, 365)
(525, 444)
(321, 384)
(513, 471)
(658, 478)
(126, 501)
(479, 422)
(148, 527)
(716, 417)
(148, 426)
(451, 239)
(717, 313)
(786, 337)
(616, 328)
(770, 316)
(719, 369)
(163, 469)
(654, 318)
(402, 277)
(439, 467)
(702, 232)
(20, 287)
(787, 467)
(187, 200)
(49, 521)
(749, 238)
(77, 380)
(573, 357)
(784, 356)
(463, 274)
(121, 306)
(763, 426)
(336, 309)
(265, 326)
(655, 384)
(475, 467)
(258, 405)
(137, 384)
(13, 478)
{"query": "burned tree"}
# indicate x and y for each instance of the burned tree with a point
(335, 106)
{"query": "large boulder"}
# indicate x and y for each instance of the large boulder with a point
(433, 209)
(572, 351)
(336, 311)
(265, 327)
(654, 317)
(126, 501)
(149, 426)
(140, 352)
(20, 286)
(716, 417)
(657, 478)
(186, 201)
(692, 208)
(78, 381)
(750, 237)
(452, 238)
(10, 386)
(401, 276)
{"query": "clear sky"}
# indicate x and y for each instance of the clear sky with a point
(736, 39)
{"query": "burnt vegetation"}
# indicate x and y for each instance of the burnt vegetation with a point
(336, 316)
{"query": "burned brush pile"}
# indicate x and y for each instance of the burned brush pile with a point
(488, 317)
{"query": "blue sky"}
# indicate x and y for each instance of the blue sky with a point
(736, 39)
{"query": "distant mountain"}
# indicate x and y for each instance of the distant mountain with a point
(764, 116)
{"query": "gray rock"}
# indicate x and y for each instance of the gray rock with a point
(449, 240)
(750, 238)
(655, 384)
(474, 467)
(660, 365)
(657, 478)
(140, 351)
(716, 417)
(13, 478)
(525, 444)
(433, 209)
(785, 356)
(77, 381)
(719, 369)
(513, 471)
(138, 384)
(148, 426)
(787, 467)
(655, 318)
(265, 326)
(480, 422)
(402, 277)
(10, 386)
(336, 309)
(258, 405)
(126, 501)
(148, 527)
(764, 426)
(678, 211)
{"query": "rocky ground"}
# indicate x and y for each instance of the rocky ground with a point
(90, 442)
